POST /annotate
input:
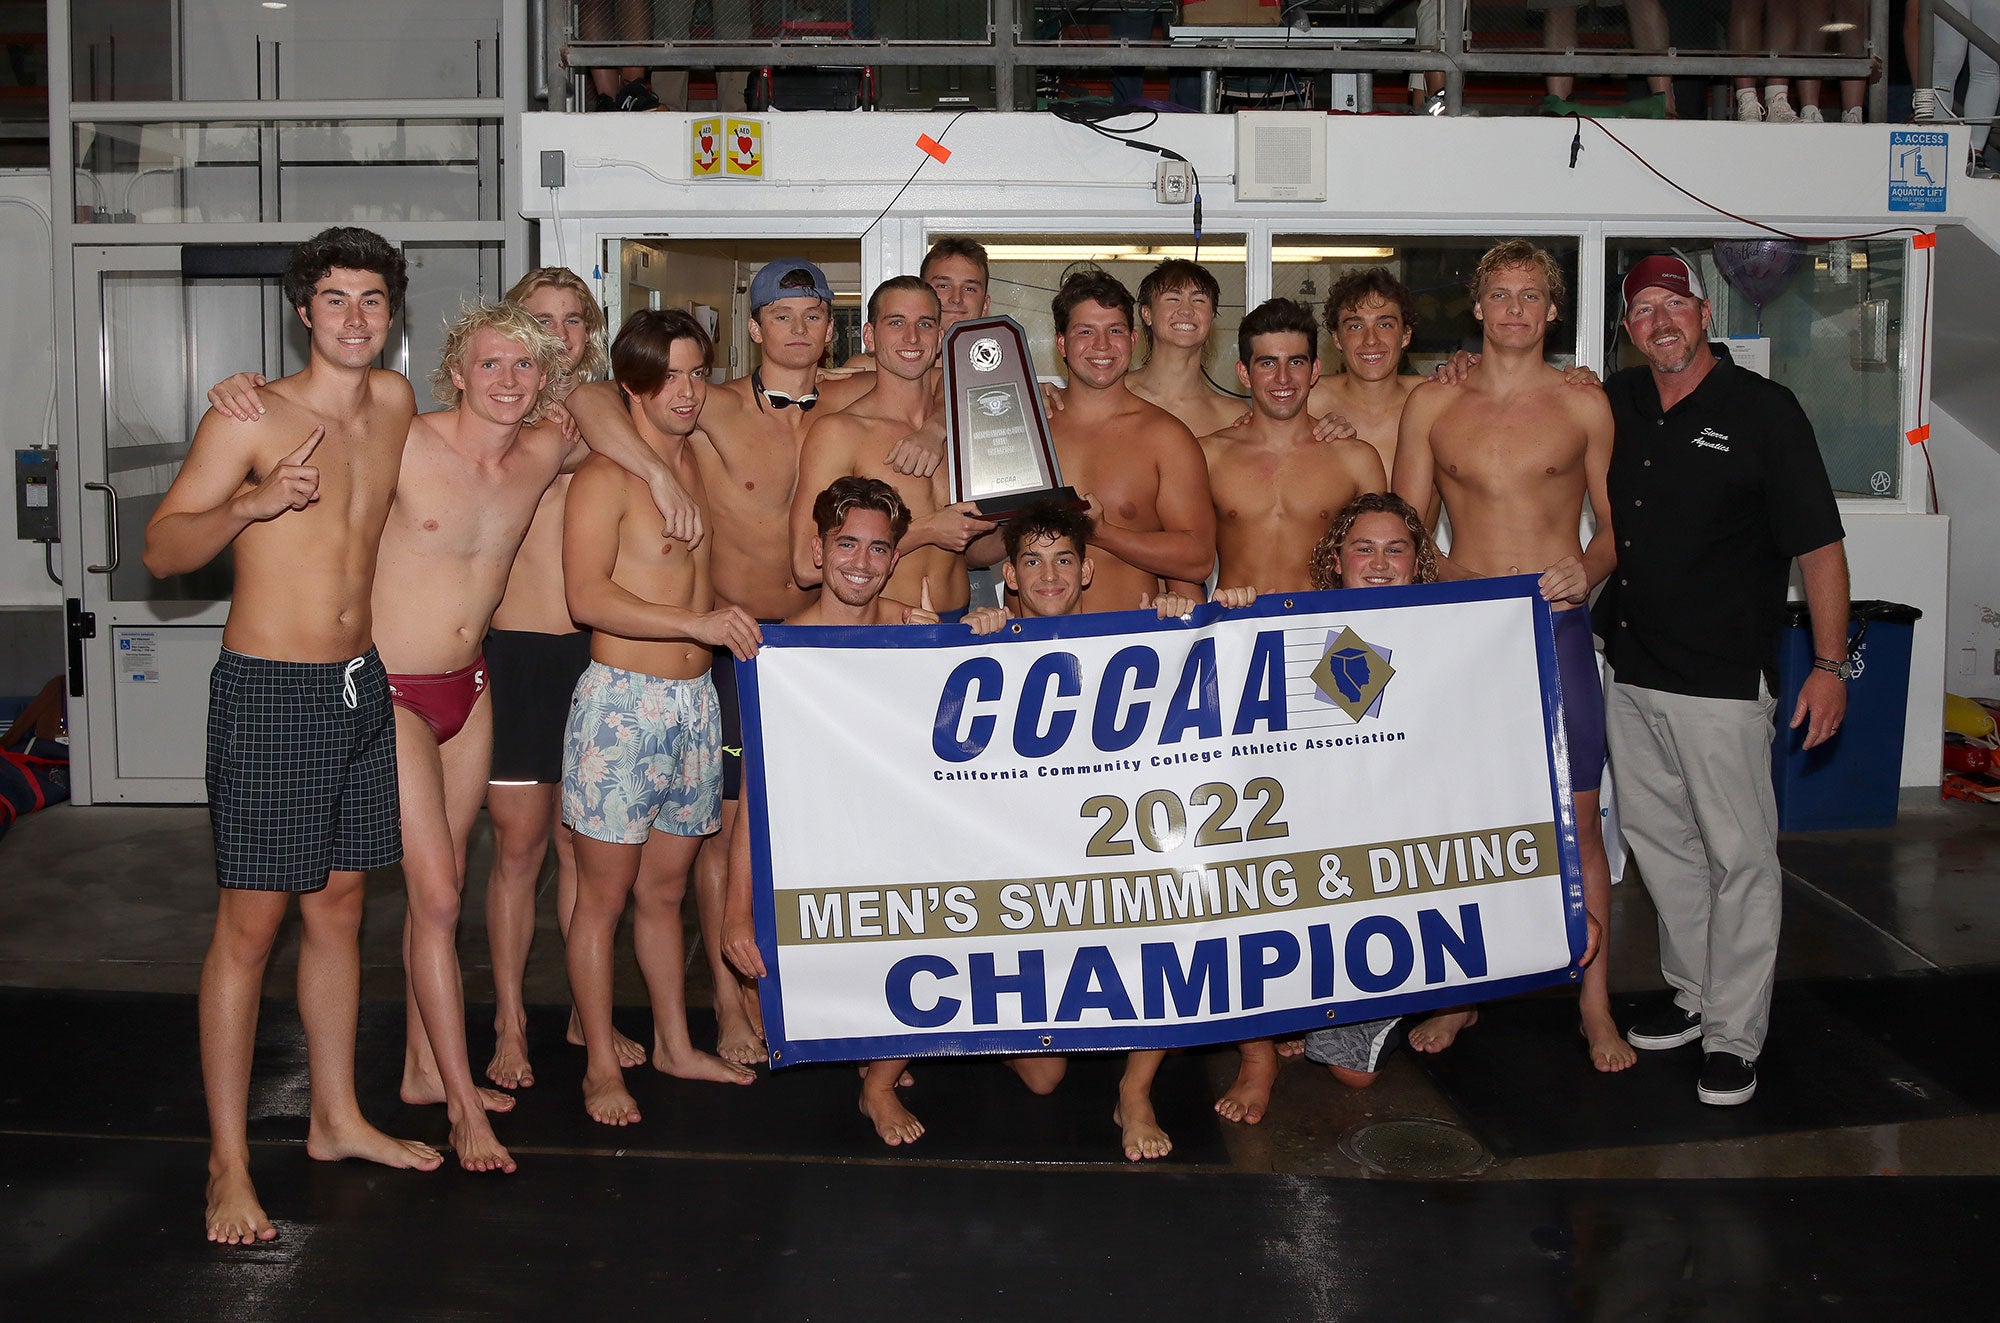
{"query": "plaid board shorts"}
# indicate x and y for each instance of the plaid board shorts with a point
(301, 771)
(642, 753)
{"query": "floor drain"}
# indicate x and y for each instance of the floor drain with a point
(1416, 1148)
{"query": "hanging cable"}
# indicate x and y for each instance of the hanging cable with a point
(928, 158)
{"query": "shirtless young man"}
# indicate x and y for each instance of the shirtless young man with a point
(902, 332)
(1177, 304)
(534, 656)
(1275, 487)
(1372, 316)
(1513, 454)
(1049, 571)
(301, 745)
(532, 664)
(748, 452)
(642, 760)
(1137, 466)
(473, 477)
(858, 524)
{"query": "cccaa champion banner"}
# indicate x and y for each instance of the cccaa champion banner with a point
(1110, 831)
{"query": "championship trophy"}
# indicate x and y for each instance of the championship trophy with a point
(996, 436)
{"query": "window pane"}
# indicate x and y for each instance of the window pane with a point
(711, 279)
(1827, 316)
(242, 50)
(1028, 269)
(354, 170)
(444, 277)
(1438, 272)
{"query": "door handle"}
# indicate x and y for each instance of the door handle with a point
(111, 523)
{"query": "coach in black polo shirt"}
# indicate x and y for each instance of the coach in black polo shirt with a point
(1716, 485)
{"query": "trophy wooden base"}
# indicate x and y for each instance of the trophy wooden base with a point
(1002, 508)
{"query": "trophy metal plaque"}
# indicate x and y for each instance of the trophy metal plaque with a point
(996, 436)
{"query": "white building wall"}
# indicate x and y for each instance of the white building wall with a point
(1968, 477)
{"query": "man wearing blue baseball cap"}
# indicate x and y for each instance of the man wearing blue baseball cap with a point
(1716, 486)
(748, 449)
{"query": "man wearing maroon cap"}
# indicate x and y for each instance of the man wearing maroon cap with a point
(1716, 485)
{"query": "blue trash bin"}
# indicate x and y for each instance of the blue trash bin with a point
(1852, 780)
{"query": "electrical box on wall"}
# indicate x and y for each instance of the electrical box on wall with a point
(1280, 156)
(35, 496)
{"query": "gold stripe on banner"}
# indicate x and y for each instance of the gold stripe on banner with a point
(1105, 900)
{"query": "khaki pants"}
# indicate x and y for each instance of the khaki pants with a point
(1698, 811)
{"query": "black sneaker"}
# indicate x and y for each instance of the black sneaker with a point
(1726, 1079)
(1669, 1028)
(635, 95)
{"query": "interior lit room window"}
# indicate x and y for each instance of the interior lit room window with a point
(711, 279)
(1438, 272)
(1028, 269)
(1823, 318)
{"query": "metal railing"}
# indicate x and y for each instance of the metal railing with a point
(1007, 48)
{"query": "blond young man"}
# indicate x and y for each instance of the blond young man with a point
(1512, 456)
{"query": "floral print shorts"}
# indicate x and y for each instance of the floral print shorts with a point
(640, 754)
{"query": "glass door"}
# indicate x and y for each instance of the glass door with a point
(150, 341)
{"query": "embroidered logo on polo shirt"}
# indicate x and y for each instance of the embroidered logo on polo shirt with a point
(1710, 439)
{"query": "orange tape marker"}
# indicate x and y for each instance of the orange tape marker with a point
(1918, 435)
(1925, 240)
(931, 147)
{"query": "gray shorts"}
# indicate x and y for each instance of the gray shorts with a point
(1359, 1046)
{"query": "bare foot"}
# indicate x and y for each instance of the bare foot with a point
(477, 1147)
(420, 1092)
(630, 1053)
(1609, 1051)
(1251, 1093)
(903, 1082)
(1437, 1033)
(893, 1121)
(1291, 1047)
(1143, 1138)
(234, 1215)
(509, 1067)
(331, 1143)
(736, 1039)
(698, 1065)
(608, 1103)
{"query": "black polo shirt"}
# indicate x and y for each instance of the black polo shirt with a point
(1710, 502)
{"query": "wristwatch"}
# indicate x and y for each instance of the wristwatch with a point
(1843, 667)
